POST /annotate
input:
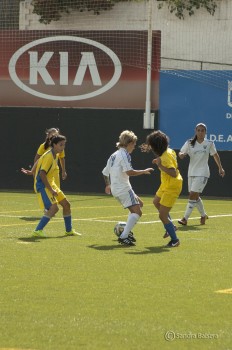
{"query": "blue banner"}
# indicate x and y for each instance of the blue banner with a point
(190, 97)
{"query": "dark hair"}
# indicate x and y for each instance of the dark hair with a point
(193, 140)
(47, 142)
(57, 138)
(158, 141)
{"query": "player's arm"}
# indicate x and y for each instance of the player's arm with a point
(218, 162)
(170, 171)
(63, 169)
(37, 156)
(182, 155)
(184, 150)
(133, 172)
(30, 172)
(43, 176)
(107, 184)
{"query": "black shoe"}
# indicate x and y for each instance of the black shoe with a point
(131, 237)
(173, 243)
(125, 241)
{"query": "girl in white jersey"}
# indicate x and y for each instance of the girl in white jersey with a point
(198, 149)
(116, 175)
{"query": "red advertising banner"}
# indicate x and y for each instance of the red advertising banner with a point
(86, 69)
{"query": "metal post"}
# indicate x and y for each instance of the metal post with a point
(148, 117)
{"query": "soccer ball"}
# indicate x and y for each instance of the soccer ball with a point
(119, 227)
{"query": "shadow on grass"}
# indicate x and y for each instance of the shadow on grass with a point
(30, 218)
(30, 239)
(109, 247)
(151, 250)
(37, 239)
(191, 228)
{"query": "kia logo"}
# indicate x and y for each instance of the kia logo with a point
(38, 66)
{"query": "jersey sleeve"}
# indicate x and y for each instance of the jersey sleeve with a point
(212, 149)
(126, 162)
(61, 155)
(185, 148)
(106, 170)
(47, 162)
(168, 160)
(41, 150)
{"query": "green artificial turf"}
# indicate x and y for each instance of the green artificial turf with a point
(89, 292)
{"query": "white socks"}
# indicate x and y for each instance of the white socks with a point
(190, 206)
(200, 207)
(131, 221)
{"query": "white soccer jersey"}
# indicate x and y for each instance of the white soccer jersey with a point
(199, 156)
(116, 167)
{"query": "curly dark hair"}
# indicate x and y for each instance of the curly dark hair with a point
(158, 141)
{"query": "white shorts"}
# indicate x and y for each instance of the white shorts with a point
(197, 183)
(127, 199)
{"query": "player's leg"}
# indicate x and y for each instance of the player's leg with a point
(166, 203)
(202, 181)
(196, 186)
(193, 197)
(62, 200)
(46, 201)
(133, 203)
(164, 217)
(156, 202)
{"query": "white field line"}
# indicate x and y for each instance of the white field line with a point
(98, 219)
(156, 221)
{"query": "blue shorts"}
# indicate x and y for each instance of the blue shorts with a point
(46, 199)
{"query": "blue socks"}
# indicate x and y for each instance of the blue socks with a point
(68, 223)
(171, 230)
(43, 222)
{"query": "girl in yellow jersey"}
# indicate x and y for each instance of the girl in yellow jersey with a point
(171, 181)
(49, 194)
(44, 147)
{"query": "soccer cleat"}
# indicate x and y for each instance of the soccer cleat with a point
(173, 243)
(39, 233)
(125, 241)
(182, 221)
(166, 235)
(131, 237)
(203, 219)
(73, 233)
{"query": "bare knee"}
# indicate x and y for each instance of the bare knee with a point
(52, 210)
(194, 195)
(156, 203)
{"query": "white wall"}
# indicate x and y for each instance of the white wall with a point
(201, 40)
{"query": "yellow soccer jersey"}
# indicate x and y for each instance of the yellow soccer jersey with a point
(169, 160)
(48, 163)
(41, 150)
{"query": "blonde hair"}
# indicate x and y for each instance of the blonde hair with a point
(125, 138)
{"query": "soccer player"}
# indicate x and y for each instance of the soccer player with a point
(171, 181)
(116, 175)
(198, 149)
(49, 194)
(44, 147)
